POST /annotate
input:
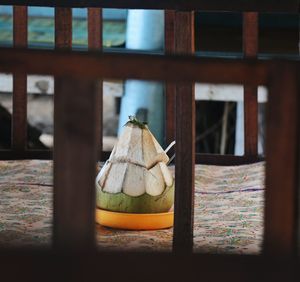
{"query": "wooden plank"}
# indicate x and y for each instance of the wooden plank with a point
(26, 154)
(95, 43)
(86, 267)
(291, 6)
(75, 154)
(282, 153)
(120, 66)
(250, 42)
(208, 159)
(226, 160)
(20, 21)
(169, 31)
(250, 120)
(63, 28)
(95, 28)
(185, 142)
(170, 89)
(19, 118)
(66, 229)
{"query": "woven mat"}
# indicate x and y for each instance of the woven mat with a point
(228, 210)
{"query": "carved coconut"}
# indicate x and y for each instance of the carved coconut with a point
(136, 179)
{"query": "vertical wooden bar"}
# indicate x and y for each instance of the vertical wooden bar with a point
(63, 28)
(95, 28)
(282, 173)
(75, 143)
(95, 43)
(19, 118)
(250, 45)
(63, 225)
(170, 87)
(185, 141)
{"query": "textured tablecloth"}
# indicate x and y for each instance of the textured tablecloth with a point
(228, 210)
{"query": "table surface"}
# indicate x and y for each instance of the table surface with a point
(229, 203)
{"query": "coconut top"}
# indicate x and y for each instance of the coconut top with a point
(137, 145)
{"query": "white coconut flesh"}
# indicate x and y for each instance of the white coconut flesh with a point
(138, 146)
(134, 180)
(137, 165)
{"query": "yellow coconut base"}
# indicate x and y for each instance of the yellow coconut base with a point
(134, 221)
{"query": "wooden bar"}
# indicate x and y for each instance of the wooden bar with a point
(169, 31)
(185, 142)
(170, 89)
(63, 28)
(282, 153)
(95, 43)
(250, 45)
(74, 196)
(287, 6)
(121, 66)
(86, 267)
(26, 155)
(250, 120)
(226, 160)
(75, 153)
(19, 118)
(95, 29)
(208, 159)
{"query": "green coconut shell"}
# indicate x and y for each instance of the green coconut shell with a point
(120, 202)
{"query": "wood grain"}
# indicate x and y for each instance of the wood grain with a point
(288, 6)
(170, 90)
(94, 28)
(208, 159)
(74, 150)
(19, 118)
(165, 267)
(75, 154)
(226, 160)
(282, 153)
(185, 142)
(63, 28)
(181, 68)
(95, 43)
(250, 46)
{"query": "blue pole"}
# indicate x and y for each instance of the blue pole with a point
(144, 99)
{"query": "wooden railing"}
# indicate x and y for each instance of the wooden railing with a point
(287, 6)
(76, 111)
(77, 121)
(179, 39)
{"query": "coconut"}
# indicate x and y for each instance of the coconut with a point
(135, 178)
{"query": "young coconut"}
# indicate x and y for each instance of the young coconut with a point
(135, 178)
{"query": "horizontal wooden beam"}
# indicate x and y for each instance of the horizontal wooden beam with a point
(208, 159)
(226, 160)
(291, 6)
(96, 65)
(25, 155)
(18, 266)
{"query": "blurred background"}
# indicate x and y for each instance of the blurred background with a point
(219, 121)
